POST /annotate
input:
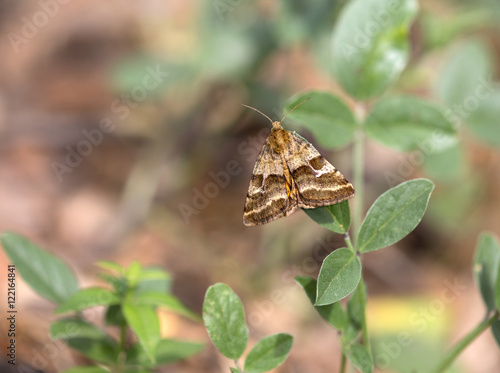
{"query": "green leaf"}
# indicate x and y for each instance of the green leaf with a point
(171, 350)
(333, 313)
(145, 324)
(153, 279)
(486, 267)
(89, 369)
(336, 217)
(111, 267)
(360, 358)
(99, 350)
(85, 338)
(495, 329)
(224, 319)
(46, 274)
(167, 351)
(328, 118)
(87, 298)
(268, 353)
(114, 315)
(69, 328)
(483, 122)
(458, 83)
(356, 307)
(370, 44)
(119, 284)
(438, 30)
(338, 277)
(394, 214)
(133, 272)
(453, 206)
(446, 165)
(235, 370)
(497, 290)
(407, 123)
(168, 301)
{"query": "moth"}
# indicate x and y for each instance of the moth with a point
(290, 173)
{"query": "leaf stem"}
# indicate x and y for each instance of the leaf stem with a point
(461, 345)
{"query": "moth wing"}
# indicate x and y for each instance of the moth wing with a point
(268, 197)
(318, 182)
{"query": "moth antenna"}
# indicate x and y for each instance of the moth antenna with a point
(258, 111)
(292, 109)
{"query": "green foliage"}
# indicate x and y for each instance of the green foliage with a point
(145, 324)
(332, 313)
(75, 327)
(46, 274)
(336, 217)
(369, 51)
(167, 351)
(394, 214)
(486, 270)
(131, 304)
(87, 298)
(471, 96)
(406, 123)
(447, 165)
(338, 277)
(457, 81)
(360, 357)
(325, 115)
(495, 330)
(483, 122)
(268, 353)
(370, 44)
(356, 307)
(224, 319)
(86, 370)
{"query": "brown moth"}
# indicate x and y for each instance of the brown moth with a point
(290, 173)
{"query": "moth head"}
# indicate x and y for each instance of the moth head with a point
(276, 124)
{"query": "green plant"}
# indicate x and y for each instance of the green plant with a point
(370, 50)
(133, 295)
(224, 319)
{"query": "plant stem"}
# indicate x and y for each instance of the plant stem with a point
(366, 337)
(348, 242)
(123, 336)
(342, 363)
(461, 345)
(358, 181)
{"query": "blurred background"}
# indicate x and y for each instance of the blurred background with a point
(122, 138)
